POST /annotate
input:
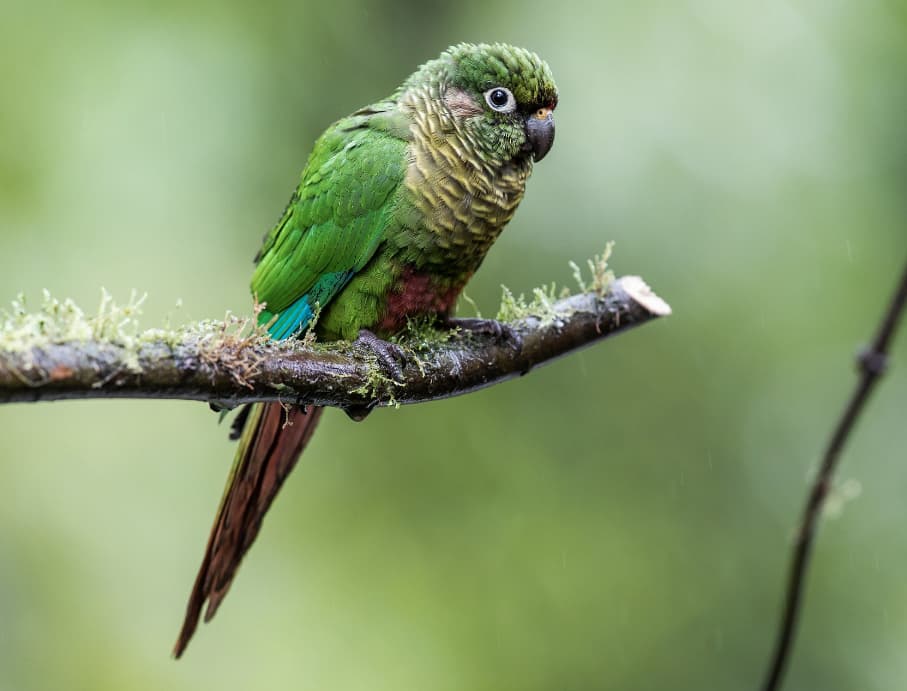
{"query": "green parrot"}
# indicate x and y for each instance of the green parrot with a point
(395, 210)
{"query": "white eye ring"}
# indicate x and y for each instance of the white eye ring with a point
(500, 98)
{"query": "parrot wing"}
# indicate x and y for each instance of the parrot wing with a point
(335, 219)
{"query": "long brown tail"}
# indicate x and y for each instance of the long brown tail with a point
(272, 440)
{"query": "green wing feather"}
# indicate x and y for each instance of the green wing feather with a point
(337, 216)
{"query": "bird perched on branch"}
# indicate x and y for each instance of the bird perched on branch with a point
(395, 210)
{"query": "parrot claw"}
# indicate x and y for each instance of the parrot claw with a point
(392, 358)
(390, 355)
(499, 331)
(358, 413)
(239, 422)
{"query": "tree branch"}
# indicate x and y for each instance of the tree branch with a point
(871, 363)
(233, 369)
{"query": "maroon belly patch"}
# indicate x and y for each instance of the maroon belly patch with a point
(418, 294)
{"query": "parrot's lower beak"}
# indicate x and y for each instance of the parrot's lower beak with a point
(540, 132)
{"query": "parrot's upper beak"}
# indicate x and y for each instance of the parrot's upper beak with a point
(540, 132)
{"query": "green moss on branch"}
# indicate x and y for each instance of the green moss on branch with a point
(57, 352)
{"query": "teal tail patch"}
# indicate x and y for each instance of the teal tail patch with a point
(297, 317)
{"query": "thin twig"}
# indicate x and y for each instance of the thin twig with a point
(339, 374)
(871, 363)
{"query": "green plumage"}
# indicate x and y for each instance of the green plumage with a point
(420, 184)
(396, 208)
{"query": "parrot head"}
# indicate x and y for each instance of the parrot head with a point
(501, 96)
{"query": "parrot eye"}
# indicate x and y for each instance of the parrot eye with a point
(500, 99)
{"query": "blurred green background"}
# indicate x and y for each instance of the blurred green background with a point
(618, 520)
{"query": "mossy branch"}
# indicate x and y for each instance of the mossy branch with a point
(57, 354)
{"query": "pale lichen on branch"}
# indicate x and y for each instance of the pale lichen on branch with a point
(541, 304)
(59, 352)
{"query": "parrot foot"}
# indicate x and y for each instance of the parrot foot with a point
(358, 413)
(391, 356)
(239, 422)
(492, 328)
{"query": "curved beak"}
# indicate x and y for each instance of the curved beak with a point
(540, 132)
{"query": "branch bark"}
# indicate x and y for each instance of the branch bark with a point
(871, 364)
(232, 371)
